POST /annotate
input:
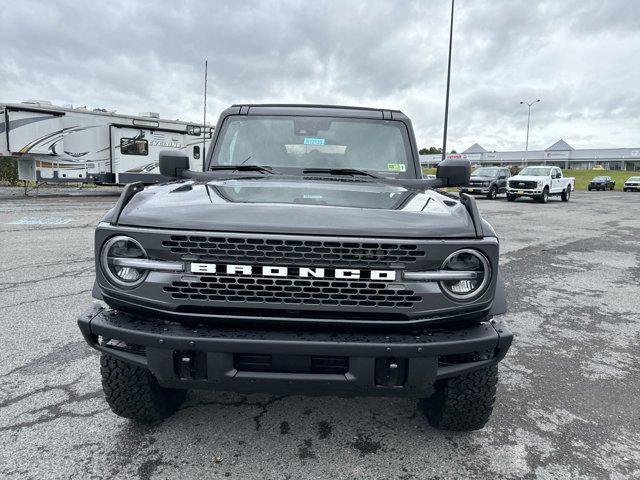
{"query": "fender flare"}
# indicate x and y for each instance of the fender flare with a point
(499, 305)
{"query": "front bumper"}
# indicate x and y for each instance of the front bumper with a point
(475, 190)
(206, 357)
(524, 192)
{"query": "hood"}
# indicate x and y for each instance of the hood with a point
(483, 178)
(527, 178)
(299, 206)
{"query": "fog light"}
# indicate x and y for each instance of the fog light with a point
(466, 260)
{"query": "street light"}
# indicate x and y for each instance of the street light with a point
(526, 148)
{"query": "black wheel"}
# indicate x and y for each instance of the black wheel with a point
(133, 392)
(566, 195)
(589, 187)
(462, 403)
(545, 196)
(511, 198)
(493, 193)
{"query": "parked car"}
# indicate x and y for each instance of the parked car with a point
(632, 183)
(335, 268)
(540, 183)
(601, 183)
(597, 167)
(489, 181)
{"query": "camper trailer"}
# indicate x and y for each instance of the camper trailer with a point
(66, 144)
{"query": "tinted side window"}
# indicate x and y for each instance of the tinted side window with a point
(133, 146)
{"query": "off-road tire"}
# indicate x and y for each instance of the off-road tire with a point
(133, 392)
(493, 193)
(462, 403)
(511, 198)
(566, 195)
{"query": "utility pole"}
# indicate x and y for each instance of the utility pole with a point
(446, 105)
(526, 147)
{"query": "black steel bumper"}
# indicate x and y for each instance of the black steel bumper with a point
(206, 357)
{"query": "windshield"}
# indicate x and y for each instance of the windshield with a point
(288, 143)
(485, 172)
(634, 179)
(536, 171)
(599, 179)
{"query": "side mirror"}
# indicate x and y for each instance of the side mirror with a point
(454, 172)
(173, 163)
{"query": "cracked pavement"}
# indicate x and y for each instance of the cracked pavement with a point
(568, 397)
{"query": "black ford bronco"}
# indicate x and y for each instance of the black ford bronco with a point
(308, 257)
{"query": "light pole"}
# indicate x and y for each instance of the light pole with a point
(446, 106)
(526, 147)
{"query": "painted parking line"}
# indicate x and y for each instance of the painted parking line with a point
(40, 221)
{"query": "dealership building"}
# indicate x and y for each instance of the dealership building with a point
(560, 154)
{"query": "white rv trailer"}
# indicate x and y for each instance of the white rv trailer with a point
(66, 144)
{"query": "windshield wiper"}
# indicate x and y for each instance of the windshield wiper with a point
(244, 168)
(340, 171)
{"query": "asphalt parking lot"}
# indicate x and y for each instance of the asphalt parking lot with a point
(568, 401)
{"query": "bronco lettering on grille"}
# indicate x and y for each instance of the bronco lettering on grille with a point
(300, 272)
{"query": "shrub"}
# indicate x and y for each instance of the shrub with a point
(9, 170)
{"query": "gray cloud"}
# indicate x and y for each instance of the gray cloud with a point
(578, 56)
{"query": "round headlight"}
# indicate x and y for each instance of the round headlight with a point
(467, 260)
(115, 249)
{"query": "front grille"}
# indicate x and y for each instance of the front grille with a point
(264, 362)
(293, 291)
(317, 253)
(527, 185)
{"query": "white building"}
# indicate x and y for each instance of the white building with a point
(560, 154)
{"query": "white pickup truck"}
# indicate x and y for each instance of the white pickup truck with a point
(540, 183)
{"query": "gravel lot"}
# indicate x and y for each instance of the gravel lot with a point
(568, 402)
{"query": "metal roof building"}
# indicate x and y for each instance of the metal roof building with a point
(560, 154)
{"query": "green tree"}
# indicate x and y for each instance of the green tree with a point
(430, 151)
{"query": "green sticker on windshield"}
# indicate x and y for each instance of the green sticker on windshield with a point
(396, 167)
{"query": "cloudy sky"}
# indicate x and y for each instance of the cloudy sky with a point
(580, 57)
